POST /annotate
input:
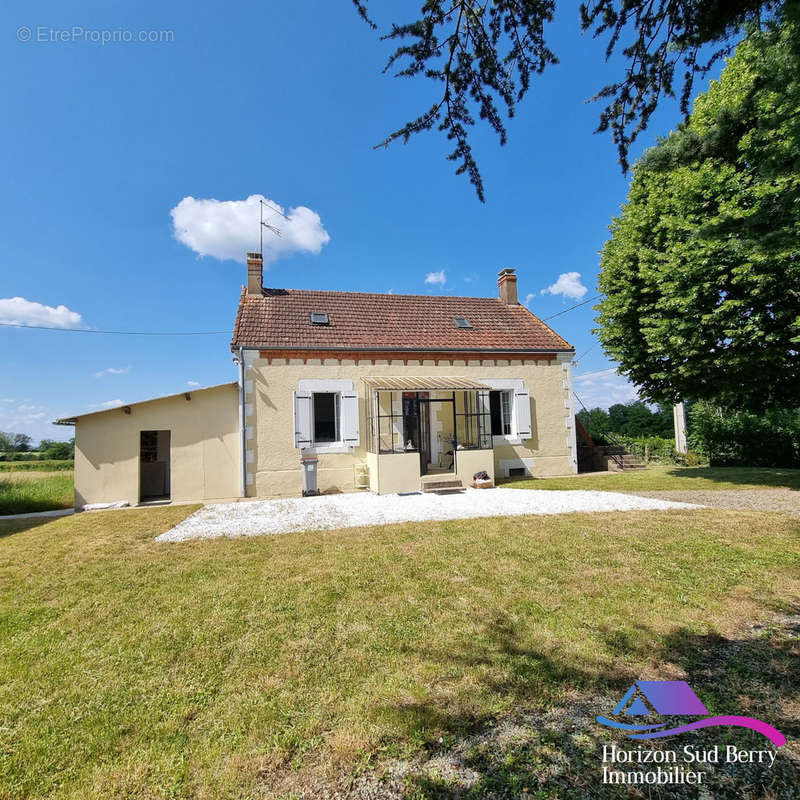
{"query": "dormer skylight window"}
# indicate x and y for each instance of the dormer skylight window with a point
(319, 318)
(462, 322)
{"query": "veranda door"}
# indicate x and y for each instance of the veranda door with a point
(424, 437)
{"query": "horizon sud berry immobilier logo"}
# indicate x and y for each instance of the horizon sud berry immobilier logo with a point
(637, 716)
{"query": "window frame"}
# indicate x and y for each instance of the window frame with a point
(513, 386)
(337, 421)
(505, 401)
(341, 388)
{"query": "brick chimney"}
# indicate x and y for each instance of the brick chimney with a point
(255, 273)
(507, 286)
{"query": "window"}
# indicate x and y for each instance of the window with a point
(500, 409)
(462, 322)
(326, 417)
(319, 318)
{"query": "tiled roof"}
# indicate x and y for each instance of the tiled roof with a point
(280, 319)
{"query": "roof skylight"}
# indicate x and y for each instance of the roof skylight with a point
(319, 318)
(462, 322)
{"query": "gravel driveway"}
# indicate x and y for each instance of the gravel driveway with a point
(353, 510)
(785, 500)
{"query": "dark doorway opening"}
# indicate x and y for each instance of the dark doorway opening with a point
(447, 462)
(154, 466)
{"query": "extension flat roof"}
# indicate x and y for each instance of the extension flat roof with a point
(279, 319)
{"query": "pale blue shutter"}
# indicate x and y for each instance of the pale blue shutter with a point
(522, 413)
(302, 419)
(349, 419)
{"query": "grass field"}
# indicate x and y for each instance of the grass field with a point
(26, 491)
(257, 667)
(665, 478)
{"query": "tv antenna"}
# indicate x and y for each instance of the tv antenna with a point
(266, 225)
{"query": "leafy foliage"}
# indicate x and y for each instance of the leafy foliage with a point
(656, 450)
(630, 419)
(483, 54)
(56, 451)
(14, 442)
(702, 274)
(734, 438)
(666, 34)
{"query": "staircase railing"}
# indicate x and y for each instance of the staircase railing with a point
(616, 442)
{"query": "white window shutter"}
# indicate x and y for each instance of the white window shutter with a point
(522, 413)
(302, 419)
(349, 423)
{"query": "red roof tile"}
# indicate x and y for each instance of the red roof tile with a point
(280, 319)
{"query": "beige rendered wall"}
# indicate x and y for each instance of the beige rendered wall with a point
(468, 462)
(398, 472)
(204, 448)
(273, 463)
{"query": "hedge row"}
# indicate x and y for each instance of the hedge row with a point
(36, 466)
(739, 438)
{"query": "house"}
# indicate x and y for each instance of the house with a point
(387, 392)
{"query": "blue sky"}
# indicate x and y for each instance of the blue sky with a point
(103, 141)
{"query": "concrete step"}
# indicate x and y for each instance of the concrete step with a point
(442, 485)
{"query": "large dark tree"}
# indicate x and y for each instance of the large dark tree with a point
(480, 56)
(702, 273)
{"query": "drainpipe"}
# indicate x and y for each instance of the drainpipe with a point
(242, 428)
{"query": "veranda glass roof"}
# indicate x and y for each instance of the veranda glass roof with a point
(423, 383)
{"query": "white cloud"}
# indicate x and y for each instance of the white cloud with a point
(113, 371)
(435, 278)
(529, 298)
(568, 285)
(19, 311)
(192, 383)
(29, 418)
(604, 388)
(108, 404)
(228, 229)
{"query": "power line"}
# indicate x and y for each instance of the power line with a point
(572, 308)
(596, 372)
(115, 333)
(205, 333)
(580, 401)
(587, 351)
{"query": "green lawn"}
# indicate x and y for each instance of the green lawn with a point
(251, 667)
(25, 491)
(660, 478)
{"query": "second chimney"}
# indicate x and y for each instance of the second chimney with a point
(255, 273)
(507, 286)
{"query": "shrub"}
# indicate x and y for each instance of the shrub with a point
(656, 450)
(740, 438)
(58, 451)
(20, 456)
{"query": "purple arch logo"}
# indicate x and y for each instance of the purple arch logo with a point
(675, 698)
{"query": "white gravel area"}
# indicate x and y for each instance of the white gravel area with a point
(331, 512)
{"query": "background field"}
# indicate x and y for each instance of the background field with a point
(33, 490)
